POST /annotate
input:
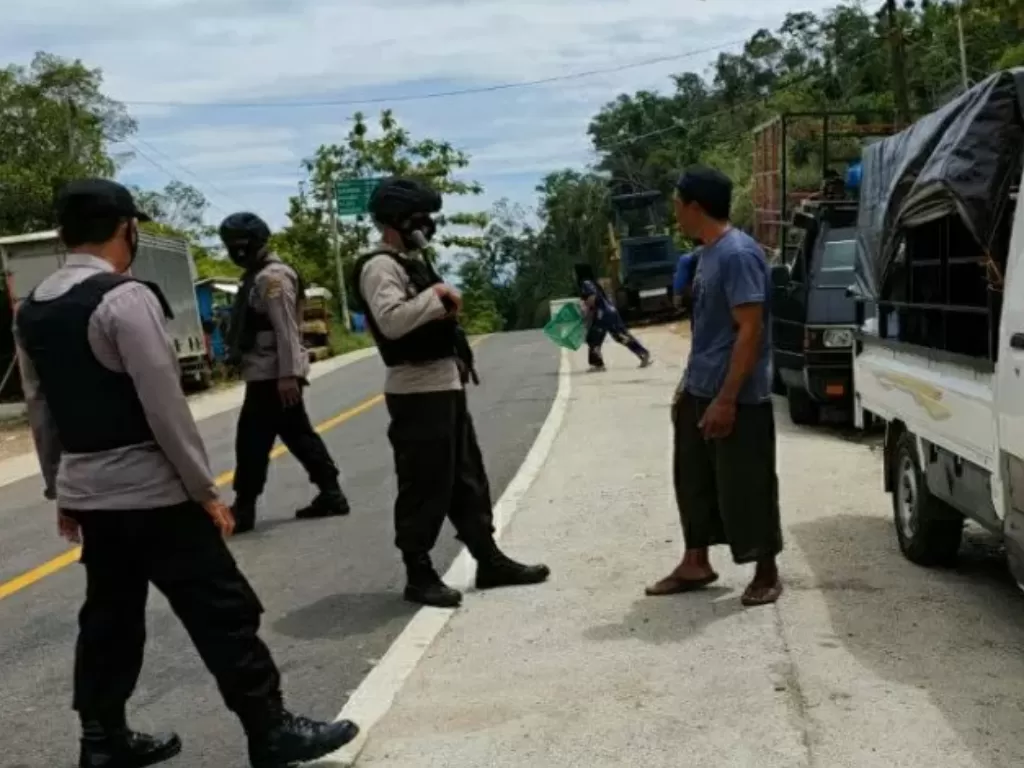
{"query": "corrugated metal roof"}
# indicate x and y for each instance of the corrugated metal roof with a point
(32, 237)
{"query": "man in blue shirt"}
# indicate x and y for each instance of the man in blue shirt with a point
(724, 466)
(605, 320)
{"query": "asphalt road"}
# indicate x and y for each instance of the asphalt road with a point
(331, 588)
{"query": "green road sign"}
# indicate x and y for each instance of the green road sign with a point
(353, 195)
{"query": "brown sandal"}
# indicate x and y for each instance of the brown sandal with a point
(674, 585)
(758, 595)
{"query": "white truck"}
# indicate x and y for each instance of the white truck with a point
(166, 261)
(940, 361)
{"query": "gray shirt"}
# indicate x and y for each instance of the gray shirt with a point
(277, 354)
(126, 334)
(731, 272)
(397, 309)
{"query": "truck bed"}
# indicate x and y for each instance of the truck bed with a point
(949, 401)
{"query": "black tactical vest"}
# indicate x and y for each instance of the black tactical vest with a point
(252, 320)
(435, 340)
(95, 409)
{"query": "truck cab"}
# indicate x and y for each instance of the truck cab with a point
(813, 316)
(645, 253)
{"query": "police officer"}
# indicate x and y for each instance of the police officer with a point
(265, 339)
(121, 455)
(412, 316)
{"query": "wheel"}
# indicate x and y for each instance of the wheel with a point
(802, 410)
(929, 530)
(778, 388)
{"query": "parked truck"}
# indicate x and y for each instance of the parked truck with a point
(166, 261)
(643, 255)
(939, 354)
(805, 212)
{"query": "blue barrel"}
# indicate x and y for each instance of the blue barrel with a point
(358, 322)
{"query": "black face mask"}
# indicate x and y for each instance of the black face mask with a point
(243, 254)
(418, 231)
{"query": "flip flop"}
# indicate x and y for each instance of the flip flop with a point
(673, 585)
(761, 596)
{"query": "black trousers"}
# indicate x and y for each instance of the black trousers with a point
(262, 420)
(727, 489)
(440, 472)
(180, 551)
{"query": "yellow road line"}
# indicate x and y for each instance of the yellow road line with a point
(40, 572)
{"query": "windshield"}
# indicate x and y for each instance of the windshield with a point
(837, 261)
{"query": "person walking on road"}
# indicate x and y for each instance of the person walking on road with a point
(412, 315)
(724, 465)
(265, 338)
(122, 457)
(604, 320)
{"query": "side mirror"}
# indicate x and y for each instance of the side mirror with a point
(780, 276)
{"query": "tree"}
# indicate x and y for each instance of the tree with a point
(390, 150)
(55, 125)
(180, 210)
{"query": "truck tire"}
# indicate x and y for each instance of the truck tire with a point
(802, 410)
(928, 530)
(778, 387)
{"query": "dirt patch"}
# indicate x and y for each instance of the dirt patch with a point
(15, 439)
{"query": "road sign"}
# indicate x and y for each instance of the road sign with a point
(353, 195)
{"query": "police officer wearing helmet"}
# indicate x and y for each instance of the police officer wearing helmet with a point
(265, 338)
(122, 457)
(412, 315)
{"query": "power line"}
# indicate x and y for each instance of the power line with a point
(441, 94)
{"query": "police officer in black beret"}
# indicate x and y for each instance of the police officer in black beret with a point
(265, 339)
(121, 456)
(412, 315)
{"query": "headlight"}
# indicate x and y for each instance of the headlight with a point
(837, 337)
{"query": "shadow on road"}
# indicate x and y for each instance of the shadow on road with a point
(658, 620)
(954, 634)
(344, 616)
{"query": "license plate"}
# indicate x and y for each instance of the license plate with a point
(653, 292)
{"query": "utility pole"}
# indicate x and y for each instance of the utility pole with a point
(963, 46)
(899, 66)
(336, 248)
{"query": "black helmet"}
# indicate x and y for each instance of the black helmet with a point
(405, 205)
(245, 235)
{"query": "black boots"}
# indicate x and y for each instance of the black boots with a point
(330, 502)
(118, 747)
(496, 569)
(425, 587)
(245, 515)
(289, 739)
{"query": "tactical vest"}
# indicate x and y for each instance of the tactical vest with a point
(255, 321)
(94, 408)
(435, 340)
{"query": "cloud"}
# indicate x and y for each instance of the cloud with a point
(162, 55)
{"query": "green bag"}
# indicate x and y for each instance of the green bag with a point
(568, 327)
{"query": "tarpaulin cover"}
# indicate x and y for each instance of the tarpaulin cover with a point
(960, 160)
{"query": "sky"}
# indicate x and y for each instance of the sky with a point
(230, 95)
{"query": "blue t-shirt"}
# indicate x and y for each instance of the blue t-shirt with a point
(731, 271)
(683, 270)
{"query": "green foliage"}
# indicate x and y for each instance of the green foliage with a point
(55, 123)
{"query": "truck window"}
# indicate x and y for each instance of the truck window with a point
(835, 267)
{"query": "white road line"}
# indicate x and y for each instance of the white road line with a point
(376, 694)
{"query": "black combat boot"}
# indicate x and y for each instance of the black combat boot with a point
(496, 569)
(244, 511)
(285, 739)
(425, 587)
(106, 746)
(330, 502)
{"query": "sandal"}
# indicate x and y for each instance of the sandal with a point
(674, 585)
(758, 595)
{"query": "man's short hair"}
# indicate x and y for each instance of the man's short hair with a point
(97, 231)
(708, 188)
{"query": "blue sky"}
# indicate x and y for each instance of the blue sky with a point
(177, 63)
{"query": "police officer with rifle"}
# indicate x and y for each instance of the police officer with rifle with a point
(265, 338)
(412, 315)
(122, 457)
